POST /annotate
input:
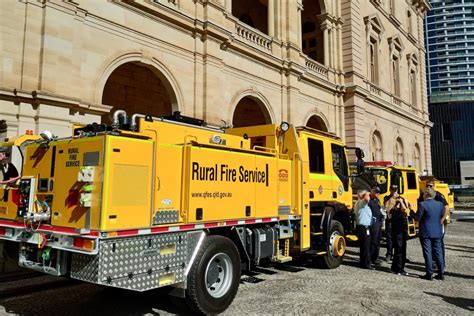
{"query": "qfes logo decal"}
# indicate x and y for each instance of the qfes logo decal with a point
(283, 175)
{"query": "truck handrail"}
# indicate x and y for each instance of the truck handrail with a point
(265, 149)
(134, 124)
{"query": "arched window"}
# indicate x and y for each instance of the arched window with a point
(396, 47)
(317, 122)
(399, 155)
(376, 147)
(374, 30)
(417, 157)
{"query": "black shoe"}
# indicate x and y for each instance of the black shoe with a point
(403, 273)
(428, 277)
(439, 277)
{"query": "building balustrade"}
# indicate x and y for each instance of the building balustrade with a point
(396, 101)
(374, 89)
(316, 67)
(253, 36)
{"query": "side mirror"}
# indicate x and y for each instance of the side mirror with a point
(360, 160)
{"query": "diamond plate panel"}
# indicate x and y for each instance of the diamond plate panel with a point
(284, 210)
(85, 267)
(138, 255)
(166, 217)
(136, 263)
(193, 239)
(147, 281)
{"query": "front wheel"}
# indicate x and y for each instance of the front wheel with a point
(214, 277)
(336, 247)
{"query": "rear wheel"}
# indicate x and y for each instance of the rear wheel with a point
(214, 277)
(336, 247)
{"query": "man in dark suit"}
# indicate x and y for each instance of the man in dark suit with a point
(376, 228)
(430, 216)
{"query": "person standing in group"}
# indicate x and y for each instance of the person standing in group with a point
(388, 221)
(440, 198)
(363, 220)
(431, 216)
(396, 207)
(376, 227)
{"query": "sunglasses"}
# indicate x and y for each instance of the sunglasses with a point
(429, 186)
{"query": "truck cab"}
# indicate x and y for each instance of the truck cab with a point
(383, 174)
(442, 188)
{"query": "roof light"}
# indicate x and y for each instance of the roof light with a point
(284, 126)
(379, 163)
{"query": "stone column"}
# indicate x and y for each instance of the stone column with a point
(332, 43)
(325, 28)
(271, 18)
(299, 8)
(339, 45)
(228, 6)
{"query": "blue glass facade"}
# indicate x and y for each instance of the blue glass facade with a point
(450, 48)
(449, 34)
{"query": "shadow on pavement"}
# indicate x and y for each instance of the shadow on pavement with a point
(465, 303)
(450, 248)
(458, 275)
(459, 246)
(469, 220)
(451, 274)
(106, 301)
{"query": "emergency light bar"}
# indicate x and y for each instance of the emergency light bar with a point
(379, 163)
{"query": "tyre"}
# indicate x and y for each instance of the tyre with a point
(336, 247)
(214, 277)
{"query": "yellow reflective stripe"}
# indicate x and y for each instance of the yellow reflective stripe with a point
(317, 176)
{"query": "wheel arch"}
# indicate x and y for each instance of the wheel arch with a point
(339, 212)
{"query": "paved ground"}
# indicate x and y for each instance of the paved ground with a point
(297, 290)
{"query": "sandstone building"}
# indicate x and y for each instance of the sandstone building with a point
(351, 67)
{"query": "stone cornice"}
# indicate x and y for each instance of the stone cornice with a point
(36, 98)
(362, 92)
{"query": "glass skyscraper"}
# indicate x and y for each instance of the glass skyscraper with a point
(449, 34)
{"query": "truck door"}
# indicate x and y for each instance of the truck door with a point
(411, 195)
(319, 182)
(340, 178)
(412, 192)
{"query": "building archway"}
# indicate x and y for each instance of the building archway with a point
(138, 88)
(399, 155)
(250, 111)
(376, 147)
(316, 122)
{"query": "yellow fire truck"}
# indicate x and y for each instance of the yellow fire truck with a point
(442, 188)
(383, 174)
(151, 202)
